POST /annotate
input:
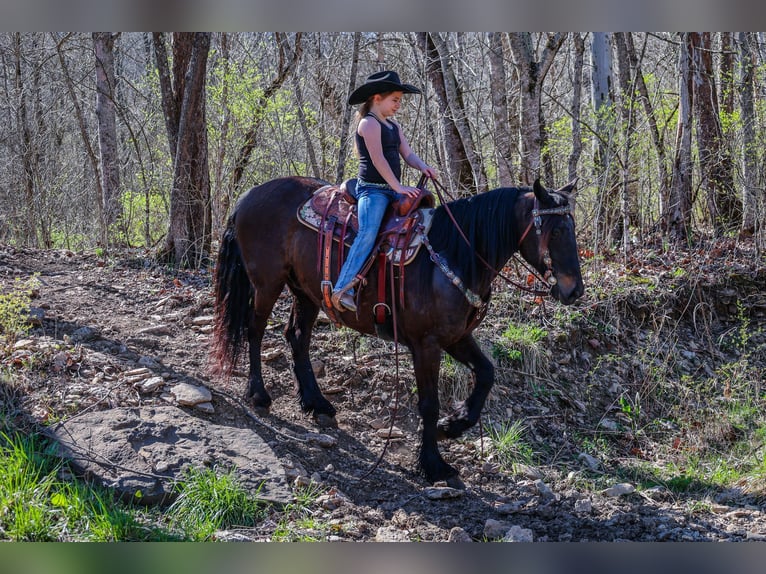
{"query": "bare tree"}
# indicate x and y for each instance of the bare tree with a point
(461, 170)
(346, 122)
(574, 156)
(715, 162)
(657, 139)
(532, 73)
(103, 46)
(749, 151)
(500, 115)
(188, 239)
(288, 59)
(84, 134)
(679, 210)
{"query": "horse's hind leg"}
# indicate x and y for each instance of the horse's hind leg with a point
(298, 333)
(466, 414)
(263, 303)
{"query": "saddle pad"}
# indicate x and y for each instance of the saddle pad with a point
(308, 215)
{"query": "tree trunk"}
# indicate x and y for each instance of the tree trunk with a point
(83, 133)
(103, 46)
(603, 106)
(28, 225)
(188, 239)
(749, 150)
(715, 162)
(219, 189)
(345, 136)
(531, 77)
(456, 109)
(679, 216)
(458, 164)
(497, 78)
(659, 145)
(574, 157)
(627, 206)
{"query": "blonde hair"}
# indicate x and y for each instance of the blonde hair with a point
(364, 109)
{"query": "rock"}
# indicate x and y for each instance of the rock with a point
(190, 395)
(544, 490)
(83, 334)
(205, 407)
(24, 344)
(105, 446)
(157, 330)
(391, 534)
(323, 440)
(150, 385)
(620, 489)
(494, 529)
(149, 362)
(530, 472)
(457, 534)
(510, 507)
(609, 425)
(590, 461)
(390, 432)
(271, 354)
(442, 493)
(519, 534)
(583, 506)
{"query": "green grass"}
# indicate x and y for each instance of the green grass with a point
(508, 444)
(210, 500)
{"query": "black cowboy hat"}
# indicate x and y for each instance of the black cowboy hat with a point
(378, 83)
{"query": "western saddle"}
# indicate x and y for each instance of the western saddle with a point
(331, 211)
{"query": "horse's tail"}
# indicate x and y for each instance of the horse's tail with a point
(233, 303)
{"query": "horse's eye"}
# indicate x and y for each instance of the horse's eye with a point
(556, 233)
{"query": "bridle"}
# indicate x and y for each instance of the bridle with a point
(537, 221)
(548, 278)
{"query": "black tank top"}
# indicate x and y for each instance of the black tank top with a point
(389, 139)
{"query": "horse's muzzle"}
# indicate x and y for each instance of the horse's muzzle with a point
(568, 289)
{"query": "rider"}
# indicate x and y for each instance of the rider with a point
(379, 143)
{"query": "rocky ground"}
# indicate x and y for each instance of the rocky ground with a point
(123, 332)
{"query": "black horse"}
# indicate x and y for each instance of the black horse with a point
(265, 247)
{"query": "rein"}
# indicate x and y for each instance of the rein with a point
(536, 221)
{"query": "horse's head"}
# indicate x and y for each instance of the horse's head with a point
(549, 242)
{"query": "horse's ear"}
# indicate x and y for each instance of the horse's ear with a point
(541, 193)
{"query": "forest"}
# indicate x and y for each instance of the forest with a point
(146, 139)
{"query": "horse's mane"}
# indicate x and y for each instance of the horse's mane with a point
(487, 221)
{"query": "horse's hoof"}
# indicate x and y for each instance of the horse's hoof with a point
(455, 482)
(325, 421)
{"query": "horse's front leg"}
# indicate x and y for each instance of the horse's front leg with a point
(298, 333)
(426, 359)
(466, 414)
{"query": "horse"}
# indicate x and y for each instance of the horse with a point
(446, 290)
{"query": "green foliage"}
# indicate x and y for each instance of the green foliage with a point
(36, 505)
(516, 340)
(144, 218)
(209, 500)
(508, 444)
(14, 310)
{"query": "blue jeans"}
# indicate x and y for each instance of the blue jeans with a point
(371, 206)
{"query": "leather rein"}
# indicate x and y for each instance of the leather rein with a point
(536, 221)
